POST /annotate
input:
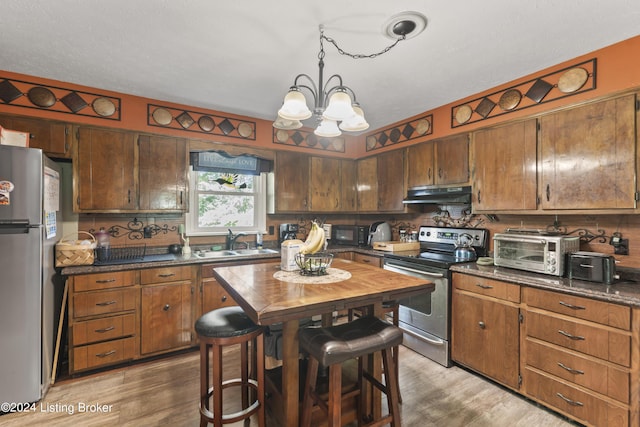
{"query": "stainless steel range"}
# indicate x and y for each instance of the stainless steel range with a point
(426, 319)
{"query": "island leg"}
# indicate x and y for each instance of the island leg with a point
(290, 373)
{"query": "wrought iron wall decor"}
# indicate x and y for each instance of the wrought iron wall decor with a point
(401, 133)
(586, 235)
(136, 230)
(560, 84)
(303, 138)
(20, 93)
(193, 121)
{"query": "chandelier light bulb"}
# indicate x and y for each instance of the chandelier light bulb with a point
(355, 123)
(328, 129)
(339, 107)
(294, 106)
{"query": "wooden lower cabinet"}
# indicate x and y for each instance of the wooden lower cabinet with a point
(103, 320)
(485, 328)
(166, 307)
(575, 355)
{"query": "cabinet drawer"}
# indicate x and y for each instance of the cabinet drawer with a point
(104, 329)
(586, 372)
(615, 315)
(368, 259)
(94, 282)
(569, 400)
(104, 302)
(102, 354)
(165, 274)
(488, 287)
(587, 338)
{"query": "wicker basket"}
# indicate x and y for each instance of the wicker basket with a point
(72, 252)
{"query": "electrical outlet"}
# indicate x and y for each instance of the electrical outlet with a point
(622, 247)
(146, 232)
(271, 230)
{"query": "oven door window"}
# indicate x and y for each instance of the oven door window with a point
(521, 250)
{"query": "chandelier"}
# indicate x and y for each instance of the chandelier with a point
(335, 105)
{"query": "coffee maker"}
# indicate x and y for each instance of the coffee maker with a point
(287, 232)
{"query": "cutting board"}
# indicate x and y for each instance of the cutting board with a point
(396, 246)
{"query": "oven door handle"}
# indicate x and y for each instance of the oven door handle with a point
(519, 240)
(413, 270)
(424, 338)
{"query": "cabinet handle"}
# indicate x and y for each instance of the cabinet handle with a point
(569, 401)
(429, 173)
(224, 298)
(166, 307)
(366, 260)
(166, 275)
(548, 193)
(103, 330)
(106, 281)
(573, 371)
(568, 335)
(439, 172)
(128, 196)
(180, 197)
(108, 353)
(482, 325)
(574, 307)
(484, 286)
(102, 304)
(479, 199)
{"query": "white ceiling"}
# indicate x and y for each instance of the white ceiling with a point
(241, 56)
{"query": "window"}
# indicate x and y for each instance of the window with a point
(221, 200)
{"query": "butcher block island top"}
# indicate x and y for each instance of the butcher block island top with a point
(267, 300)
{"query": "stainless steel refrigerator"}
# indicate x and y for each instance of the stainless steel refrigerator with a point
(29, 229)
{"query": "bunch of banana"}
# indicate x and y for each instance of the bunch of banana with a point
(315, 240)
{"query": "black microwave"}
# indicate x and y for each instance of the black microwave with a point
(350, 235)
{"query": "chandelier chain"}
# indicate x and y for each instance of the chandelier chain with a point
(355, 55)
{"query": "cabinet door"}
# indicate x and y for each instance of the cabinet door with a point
(325, 185)
(166, 317)
(485, 337)
(349, 193)
(452, 160)
(368, 184)
(588, 156)
(163, 164)
(104, 172)
(291, 182)
(504, 176)
(214, 296)
(420, 161)
(391, 187)
(54, 138)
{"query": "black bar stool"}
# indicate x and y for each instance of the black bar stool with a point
(330, 347)
(217, 329)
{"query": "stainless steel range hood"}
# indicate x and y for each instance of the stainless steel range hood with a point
(438, 196)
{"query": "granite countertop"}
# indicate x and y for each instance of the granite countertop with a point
(625, 291)
(157, 260)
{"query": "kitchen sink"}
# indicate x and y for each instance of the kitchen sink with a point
(255, 251)
(238, 252)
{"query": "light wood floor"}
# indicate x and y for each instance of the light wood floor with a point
(165, 393)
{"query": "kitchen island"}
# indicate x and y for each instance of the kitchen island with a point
(268, 300)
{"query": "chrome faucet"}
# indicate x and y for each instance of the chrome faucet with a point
(230, 240)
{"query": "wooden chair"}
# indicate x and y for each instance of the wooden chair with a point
(217, 329)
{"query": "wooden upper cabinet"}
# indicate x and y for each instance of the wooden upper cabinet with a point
(588, 156)
(440, 162)
(452, 160)
(291, 182)
(420, 161)
(163, 168)
(367, 175)
(504, 174)
(348, 186)
(391, 188)
(105, 171)
(324, 188)
(54, 138)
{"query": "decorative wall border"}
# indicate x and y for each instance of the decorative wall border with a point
(20, 93)
(302, 138)
(560, 84)
(194, 121)
(401, 133)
